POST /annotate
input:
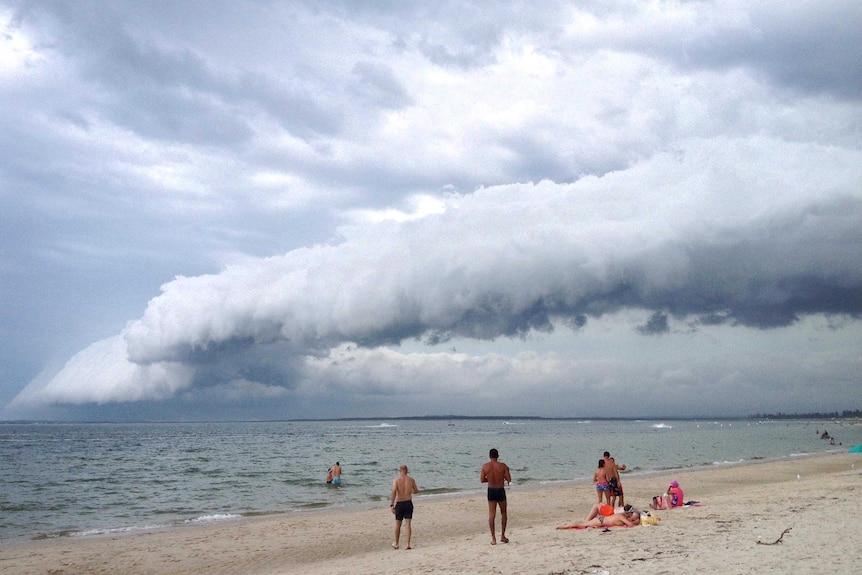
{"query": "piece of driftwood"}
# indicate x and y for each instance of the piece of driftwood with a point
(783, 533)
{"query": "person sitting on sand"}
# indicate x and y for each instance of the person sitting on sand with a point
(629, 519)
(673, 498)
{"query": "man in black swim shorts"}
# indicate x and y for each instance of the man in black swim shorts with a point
(495, 474)
(401, 503)
(496, 494)
(403, 510)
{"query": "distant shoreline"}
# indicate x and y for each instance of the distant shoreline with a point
(855, 417)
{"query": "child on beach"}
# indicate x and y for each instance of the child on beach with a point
(600, 478)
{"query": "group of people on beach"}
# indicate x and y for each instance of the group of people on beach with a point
(609, 488)
(495, 473)
(607, 480)
(614, 512)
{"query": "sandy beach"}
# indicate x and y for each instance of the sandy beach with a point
(816, 498)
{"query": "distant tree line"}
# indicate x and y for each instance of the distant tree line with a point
(846, 414)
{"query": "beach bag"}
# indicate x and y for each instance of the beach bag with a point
(648, 518)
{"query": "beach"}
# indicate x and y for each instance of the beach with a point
(815, 497)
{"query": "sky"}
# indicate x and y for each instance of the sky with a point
(325, 209)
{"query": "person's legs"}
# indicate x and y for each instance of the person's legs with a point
(594, 511)
(594, 522)
(503, 522)
(492, 515)
(397, 534)
(408, 532)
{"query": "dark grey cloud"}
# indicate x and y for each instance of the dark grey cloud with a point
(806, 47)
(810, 47)
(170, 89)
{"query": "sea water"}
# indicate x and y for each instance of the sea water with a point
(81, 480)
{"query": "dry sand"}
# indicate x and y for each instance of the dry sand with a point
(741, 506)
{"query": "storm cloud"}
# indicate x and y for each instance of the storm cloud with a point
(323, 209)
(507, 261)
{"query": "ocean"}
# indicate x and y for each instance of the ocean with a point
(82, 480)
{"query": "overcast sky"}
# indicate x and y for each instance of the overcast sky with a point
(294, 209)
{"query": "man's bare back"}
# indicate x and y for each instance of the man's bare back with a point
(403, 488)
(401, 503)
(495, 473)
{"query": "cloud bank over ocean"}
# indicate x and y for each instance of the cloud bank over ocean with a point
(322, 209)
(733, 232)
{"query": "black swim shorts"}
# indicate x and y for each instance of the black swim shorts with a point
(496, 494)
(403, 510)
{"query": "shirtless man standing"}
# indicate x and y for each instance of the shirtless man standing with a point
(494, 473)
(401, 503)
(335, 471)
(613, 471)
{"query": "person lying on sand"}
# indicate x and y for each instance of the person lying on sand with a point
(607, 510)
(626, 519)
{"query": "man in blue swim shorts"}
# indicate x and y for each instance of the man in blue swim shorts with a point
(495, 473)
(335, 472)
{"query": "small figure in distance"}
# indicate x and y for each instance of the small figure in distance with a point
(334, 474)
(401, 504)
(603, 487)
(494, 473)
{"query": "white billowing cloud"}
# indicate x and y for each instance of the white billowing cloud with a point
(419, 207)
(502, 260)
(726, 231)
(100, 374)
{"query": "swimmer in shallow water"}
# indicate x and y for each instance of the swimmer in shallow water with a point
(334, 474)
